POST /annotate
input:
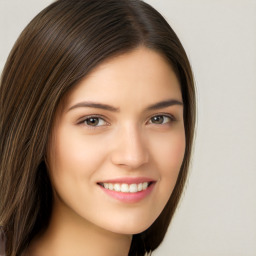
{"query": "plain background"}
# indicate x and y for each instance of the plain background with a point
(217, 215)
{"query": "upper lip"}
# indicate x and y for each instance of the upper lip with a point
(129, 180)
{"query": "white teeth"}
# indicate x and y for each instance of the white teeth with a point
(133, 188)
(144, 185)
(126, 188)
(117, 187)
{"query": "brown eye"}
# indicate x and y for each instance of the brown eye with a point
(94, 121)
(160, 119)
(157, 119)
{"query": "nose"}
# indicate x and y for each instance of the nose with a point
(130, 149)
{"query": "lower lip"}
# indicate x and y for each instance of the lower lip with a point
(129, 197)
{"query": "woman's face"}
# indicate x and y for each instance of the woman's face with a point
(120, 128)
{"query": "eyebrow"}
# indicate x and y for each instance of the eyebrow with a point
(164, 104)
(158, 105)
(89, 104)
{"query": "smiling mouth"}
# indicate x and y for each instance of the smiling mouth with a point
(126, 188)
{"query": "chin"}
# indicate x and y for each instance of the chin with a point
(131, 228)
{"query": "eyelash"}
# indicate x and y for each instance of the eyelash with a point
(165, 116)
(170, 118)
(83, 122)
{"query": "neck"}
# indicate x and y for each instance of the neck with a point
(70, 234)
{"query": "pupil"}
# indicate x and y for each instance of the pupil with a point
(93, 121)
(158, 119)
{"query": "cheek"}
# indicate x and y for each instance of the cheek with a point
(73, 163)
(169, 153)
(72, 155)
(174, 153)
(168, 156)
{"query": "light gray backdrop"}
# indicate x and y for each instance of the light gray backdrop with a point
(217, 216)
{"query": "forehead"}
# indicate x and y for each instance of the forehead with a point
(140, 75)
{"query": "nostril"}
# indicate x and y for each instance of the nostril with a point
(130, 158)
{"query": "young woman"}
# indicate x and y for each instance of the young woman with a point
(97, 109)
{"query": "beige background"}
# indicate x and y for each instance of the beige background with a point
(217, 216)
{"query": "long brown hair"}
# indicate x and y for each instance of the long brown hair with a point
(59, 47)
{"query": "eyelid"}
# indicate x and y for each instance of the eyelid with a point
(172, 117)
(82, 120)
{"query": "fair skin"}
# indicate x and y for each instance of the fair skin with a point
(122, 124)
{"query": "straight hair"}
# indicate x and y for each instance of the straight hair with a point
(57, 49)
